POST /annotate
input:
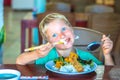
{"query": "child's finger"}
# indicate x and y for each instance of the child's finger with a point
(105, 39)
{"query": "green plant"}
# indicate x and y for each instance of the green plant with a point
(2, 35)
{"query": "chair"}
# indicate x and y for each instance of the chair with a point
(58, 6)
(98, 9)
(108, 23)
(86, 36)
(116, 51)
(27, 25)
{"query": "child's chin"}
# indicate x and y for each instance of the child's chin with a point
(68, 46)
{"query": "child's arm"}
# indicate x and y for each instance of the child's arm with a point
(28, 57)
(107, 48)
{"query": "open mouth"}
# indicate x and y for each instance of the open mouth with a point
(67, 40)
(63, 41)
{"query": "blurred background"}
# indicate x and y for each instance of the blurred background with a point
(101, 15)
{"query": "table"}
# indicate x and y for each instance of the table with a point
(31, 70)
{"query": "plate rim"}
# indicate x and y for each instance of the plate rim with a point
(66, 73)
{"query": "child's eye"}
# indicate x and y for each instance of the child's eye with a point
(63, 29)
(54, 35)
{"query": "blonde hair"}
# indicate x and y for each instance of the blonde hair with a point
(49, 18)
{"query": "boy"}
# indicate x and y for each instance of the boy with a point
(53, 28)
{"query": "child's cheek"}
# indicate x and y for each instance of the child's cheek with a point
(54, 39)
(69, 33)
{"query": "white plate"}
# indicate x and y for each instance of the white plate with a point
(49, 66)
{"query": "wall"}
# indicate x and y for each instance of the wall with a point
(22, 4)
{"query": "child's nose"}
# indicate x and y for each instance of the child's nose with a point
(61, 35)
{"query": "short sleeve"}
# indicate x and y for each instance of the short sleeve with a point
(87, 56)
(51, 55)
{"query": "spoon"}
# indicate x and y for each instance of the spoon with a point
(93, 45)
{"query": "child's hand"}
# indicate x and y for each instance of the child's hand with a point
(44, 50)
(107, 45)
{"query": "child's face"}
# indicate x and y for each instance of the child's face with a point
(57, 30)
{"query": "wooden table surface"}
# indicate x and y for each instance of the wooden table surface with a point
(31, 71)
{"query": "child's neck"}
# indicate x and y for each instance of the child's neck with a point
(65, 52)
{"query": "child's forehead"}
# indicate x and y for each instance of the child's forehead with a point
(58, 21)
(55, 25)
